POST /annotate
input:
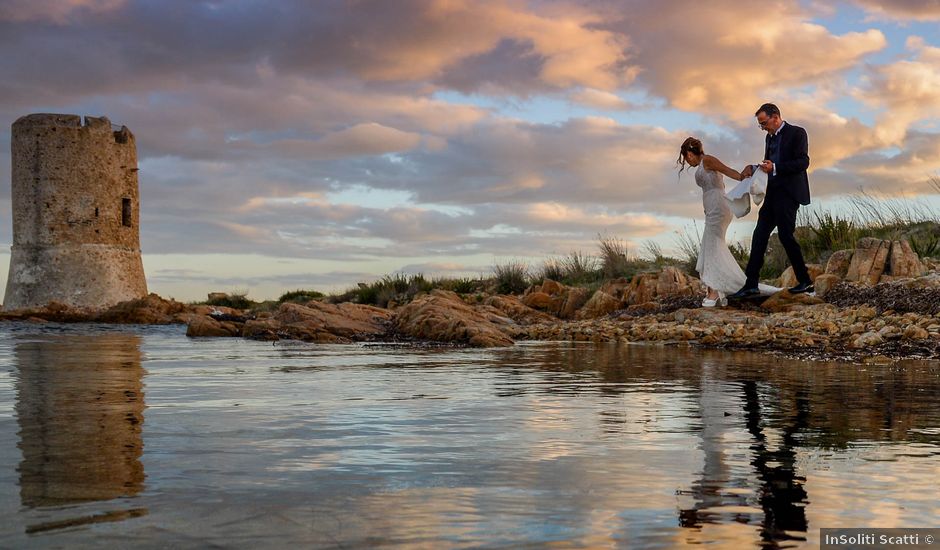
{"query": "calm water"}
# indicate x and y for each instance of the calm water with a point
(140, 437)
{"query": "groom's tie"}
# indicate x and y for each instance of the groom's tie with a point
(773, 148)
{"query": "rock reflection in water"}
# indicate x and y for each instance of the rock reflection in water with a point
(79, 404)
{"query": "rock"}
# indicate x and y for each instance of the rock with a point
(551, 287)
(788, 279)
(266, 329)
(53, 311)
(904, 262)
(839, 262)
(825, 282)
(600, 304)
(616, 287)
(928, 281)
(868, 261)
(646, 287)
(570, 302)
(515, 309)
(149, 310)
(914, 332)
(537, 300)
(217, 296)
(322, 322)
(785, 301)
(555, 298)
(203, 325)
(867, 340)
(442, 316)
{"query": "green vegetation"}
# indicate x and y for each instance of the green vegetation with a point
(236, 300)
(511, 277)
(400, 288)
(300, 296)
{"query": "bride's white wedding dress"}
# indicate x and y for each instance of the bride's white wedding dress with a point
(716, 266)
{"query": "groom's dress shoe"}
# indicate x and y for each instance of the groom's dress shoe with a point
(744, 293)
(801, 288)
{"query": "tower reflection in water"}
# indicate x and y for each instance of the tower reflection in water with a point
(80, 408)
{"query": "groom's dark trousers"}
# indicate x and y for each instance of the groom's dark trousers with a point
(786, 191)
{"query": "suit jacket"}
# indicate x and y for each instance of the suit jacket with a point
(793, 160)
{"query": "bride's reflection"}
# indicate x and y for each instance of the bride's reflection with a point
(80, 410)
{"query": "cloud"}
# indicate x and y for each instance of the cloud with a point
(54, 11)
(721, 62)
(364, 139)
(919, 10)
(906, 90)
(600, 99)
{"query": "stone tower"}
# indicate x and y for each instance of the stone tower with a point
(75, 214)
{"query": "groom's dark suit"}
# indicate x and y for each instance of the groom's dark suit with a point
(786, 191)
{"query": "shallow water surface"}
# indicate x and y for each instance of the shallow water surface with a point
(141, 437)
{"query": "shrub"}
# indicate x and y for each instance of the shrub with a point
(236, 300)
(614, 261)
(580, 268)
(300, 296)
(511, 277)
(551, 269)
(688, 245)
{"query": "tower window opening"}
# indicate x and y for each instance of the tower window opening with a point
(126, 212)
(96, 211)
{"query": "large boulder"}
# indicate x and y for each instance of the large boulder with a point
(838, 263)
(441, 316)
(321, 322)
(537, 300)
(555, 298)
(570, 302)
(600, 304)
(788, 278)
(647, 287)
(616, 287)
(203, 325)
(868, 261)
(515, 309)
(149, 310)
(904, 262)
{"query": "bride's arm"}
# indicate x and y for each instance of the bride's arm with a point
(712, 163)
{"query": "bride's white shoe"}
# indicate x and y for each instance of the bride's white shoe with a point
(720, 300)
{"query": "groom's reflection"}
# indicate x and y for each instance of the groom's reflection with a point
(80, 408)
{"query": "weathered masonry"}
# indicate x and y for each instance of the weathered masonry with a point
(76, 213)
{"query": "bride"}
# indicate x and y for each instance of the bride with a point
(716, 266)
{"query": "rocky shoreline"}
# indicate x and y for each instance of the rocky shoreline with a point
(857, 316)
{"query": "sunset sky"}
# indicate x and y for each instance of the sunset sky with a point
(315, 144)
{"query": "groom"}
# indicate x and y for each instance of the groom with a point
(786, 160)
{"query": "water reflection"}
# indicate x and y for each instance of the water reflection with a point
(572, 445)
(80, 409)
(758, 424)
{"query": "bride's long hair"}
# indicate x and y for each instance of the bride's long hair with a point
(690, 145)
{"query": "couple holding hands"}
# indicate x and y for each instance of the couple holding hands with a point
(786, 159)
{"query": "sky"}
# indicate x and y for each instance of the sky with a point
(296, 144)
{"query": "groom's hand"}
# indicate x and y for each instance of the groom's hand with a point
(748, 171)
(767, 166)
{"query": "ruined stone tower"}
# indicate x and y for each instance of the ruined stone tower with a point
(75, 213)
